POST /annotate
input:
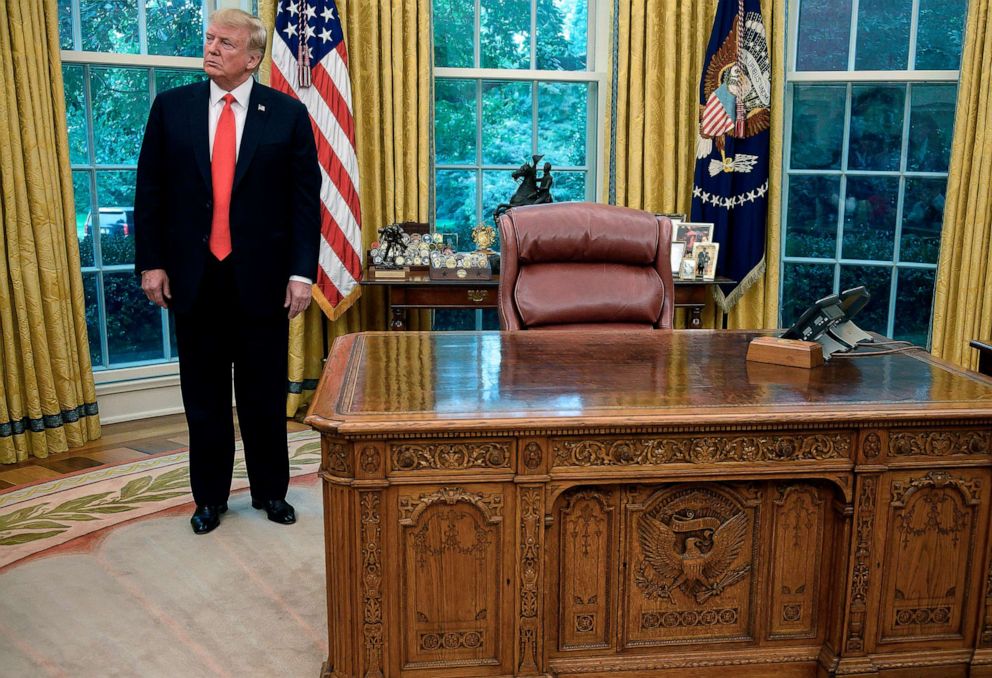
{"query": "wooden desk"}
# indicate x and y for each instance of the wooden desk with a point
(649, 504)
(419, 291)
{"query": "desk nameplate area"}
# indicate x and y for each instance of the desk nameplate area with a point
(591, 505)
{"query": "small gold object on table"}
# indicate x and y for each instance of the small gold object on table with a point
(483, 236)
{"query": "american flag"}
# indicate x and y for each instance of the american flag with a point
(715, 119)
(310, 63)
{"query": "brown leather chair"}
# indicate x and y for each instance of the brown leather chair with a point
(584, 266)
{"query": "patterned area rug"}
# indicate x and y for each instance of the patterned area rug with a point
(102, 576)
(37, 517)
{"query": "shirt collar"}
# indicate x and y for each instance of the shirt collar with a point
(241, 93)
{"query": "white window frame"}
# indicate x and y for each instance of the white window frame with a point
(597, 55)
(850, 78)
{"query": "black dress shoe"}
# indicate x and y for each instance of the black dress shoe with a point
(207, 517)
(278, 510)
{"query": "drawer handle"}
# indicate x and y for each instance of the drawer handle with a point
(478, 296)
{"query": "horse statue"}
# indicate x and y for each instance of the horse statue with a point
(529, 192)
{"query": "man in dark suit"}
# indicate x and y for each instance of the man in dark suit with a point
(227, 224)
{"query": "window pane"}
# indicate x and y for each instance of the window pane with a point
(115, 197)
(803, 284)
(876, 127)
(817, 126)
(453, 319)
(175, 27)
(562, 34)
(454, 121)
(931, 125)
(92, 318)
(166, 78)
(940, 34)
(455, 209)
(490, 319)
(109, 26)
(883, 35)
(870, 218)
(922, 219)
(878, 280)
(120, 110)
(134, 324)
(812, 216)
(824, 35)
(454, 31)
(913, 305)
(569, 186)
(75, 113)
(504, 33)
(561, 122)
(65, 24)
(83, 204)
(506, 123)
(497, 187)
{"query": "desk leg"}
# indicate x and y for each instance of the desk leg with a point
(696, 318)
(398, 321)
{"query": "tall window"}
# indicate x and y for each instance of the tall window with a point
(513, 79)
(116, 56)
(870, 96)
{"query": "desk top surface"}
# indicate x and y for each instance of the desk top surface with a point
(381, 381)
(421, 277)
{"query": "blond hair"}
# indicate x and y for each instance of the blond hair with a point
(236, 18)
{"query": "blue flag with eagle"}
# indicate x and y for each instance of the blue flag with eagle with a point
(730, 188)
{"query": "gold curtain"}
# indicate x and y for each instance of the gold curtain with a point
(963, 299)
(659, 51)
(389, 59)
(47, 397)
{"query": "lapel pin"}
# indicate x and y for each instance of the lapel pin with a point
(261, 108)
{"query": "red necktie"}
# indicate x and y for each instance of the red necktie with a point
(222, 176)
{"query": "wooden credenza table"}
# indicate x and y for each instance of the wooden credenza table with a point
(650, 504)
(419, 291)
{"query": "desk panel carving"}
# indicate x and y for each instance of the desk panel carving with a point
(692, 449)
(450, 456)
(940, 443)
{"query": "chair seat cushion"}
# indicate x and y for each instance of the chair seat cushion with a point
(580, 293)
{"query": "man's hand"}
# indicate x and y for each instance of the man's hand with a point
(155, 284)
(297, 297)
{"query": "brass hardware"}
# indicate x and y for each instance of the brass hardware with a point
(478, 296)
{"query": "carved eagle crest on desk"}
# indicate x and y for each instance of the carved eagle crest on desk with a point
(690, 553)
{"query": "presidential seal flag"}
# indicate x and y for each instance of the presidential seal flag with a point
(730, 188)
(310, 63)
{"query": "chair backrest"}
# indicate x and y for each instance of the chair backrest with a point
(584, 266)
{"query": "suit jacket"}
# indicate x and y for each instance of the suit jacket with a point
(275, 200)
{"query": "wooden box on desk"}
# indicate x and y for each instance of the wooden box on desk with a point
(787, 352)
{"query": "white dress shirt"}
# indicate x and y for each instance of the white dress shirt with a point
(239, 106)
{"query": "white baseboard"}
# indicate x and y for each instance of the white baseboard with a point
(139, 399)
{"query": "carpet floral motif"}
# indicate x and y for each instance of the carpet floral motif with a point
(40, 516)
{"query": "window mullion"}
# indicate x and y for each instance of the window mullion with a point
(77, 26)
(142, 27)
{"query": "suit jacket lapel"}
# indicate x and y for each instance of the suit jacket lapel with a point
(254, 126)
(199, 123)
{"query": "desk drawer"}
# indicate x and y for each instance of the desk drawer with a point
(465, 297)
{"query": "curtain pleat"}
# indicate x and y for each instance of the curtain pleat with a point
(389, 58)
(659, 53)
(963, 297)
(47, 395)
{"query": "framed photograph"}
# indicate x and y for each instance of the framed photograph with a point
(687, 270)
(705, 254)
(691, 232)
(678, 252)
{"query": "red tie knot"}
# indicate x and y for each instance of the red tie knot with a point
(228, 99)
